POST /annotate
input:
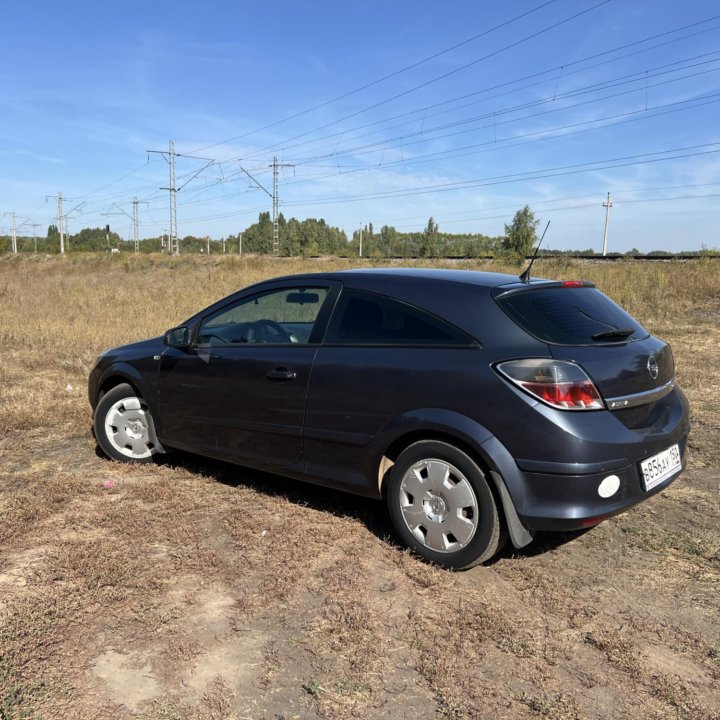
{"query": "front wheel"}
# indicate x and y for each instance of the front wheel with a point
(442, 506)
(124, 427)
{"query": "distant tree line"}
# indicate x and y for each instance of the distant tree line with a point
(312, 237)
(308, 237)
(429, 242)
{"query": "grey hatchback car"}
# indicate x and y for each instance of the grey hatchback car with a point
(480, 406)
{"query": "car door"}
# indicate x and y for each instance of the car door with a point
(240, 389)
(381, 358)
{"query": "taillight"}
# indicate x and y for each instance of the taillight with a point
(557, 383)
(573, 283)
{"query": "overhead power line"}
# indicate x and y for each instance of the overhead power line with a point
(468, 216)
(565, 68)
(559, 68)
(470, 124)
(588, 166)
(623, 117)
(445, 75)
(591, 166)
(384, 145)
(492, 146)
(560, 132)
(638, 77)
(381, 79)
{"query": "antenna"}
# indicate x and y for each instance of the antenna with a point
(525, 277)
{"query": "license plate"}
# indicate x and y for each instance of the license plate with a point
(660, 467)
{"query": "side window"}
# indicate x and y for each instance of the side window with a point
(363, 318)
(278, 316)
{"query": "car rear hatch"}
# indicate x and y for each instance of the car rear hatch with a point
(632, 370)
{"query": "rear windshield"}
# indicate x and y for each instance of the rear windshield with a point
(571, 316)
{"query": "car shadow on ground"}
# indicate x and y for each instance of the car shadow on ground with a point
(372, 513)
(543, 542)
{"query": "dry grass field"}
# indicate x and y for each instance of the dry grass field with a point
(195, 589)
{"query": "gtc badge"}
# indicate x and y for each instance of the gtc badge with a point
(652, 367)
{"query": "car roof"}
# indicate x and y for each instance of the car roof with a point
(470, 277)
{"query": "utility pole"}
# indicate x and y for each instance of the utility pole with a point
(14, 229)
(240, 246)
(276, 204)
(607, 205)
(136, 223)
(61, 218)
(34, 226)
(135, 217)
(173, 245)
(61, 223)
(361, 229)
(169, 157)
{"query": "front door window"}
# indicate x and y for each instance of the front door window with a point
(276, 317)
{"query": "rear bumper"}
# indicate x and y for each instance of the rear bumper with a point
(557, 487)
(572, 502)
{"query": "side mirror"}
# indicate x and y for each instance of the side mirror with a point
(178, 337)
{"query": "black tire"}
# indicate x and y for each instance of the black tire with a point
(124, 427)
(456, 526)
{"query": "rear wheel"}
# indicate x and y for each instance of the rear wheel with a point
(124, 427)
(442, 506)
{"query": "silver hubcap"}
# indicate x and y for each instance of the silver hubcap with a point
(129, 428)
(438, 505)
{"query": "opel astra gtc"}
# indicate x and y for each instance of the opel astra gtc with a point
(478, 405)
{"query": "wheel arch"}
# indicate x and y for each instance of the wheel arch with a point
(113, 381)
(120, 373)
(466, 435)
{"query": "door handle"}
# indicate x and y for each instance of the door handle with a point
(281, 374)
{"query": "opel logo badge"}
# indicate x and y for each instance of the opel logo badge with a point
(652, 367)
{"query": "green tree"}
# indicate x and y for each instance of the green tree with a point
(521, 234)
(290, 238)
(92, 240)
(258, 238)
(430, 246)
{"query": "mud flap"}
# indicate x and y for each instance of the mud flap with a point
(519, 534)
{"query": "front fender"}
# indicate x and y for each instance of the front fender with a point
(127, 373)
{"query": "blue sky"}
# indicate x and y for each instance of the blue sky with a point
(390, 112)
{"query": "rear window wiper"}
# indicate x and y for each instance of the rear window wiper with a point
(616, 333)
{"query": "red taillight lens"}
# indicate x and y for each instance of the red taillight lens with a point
(572, 283)
(558, 383)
